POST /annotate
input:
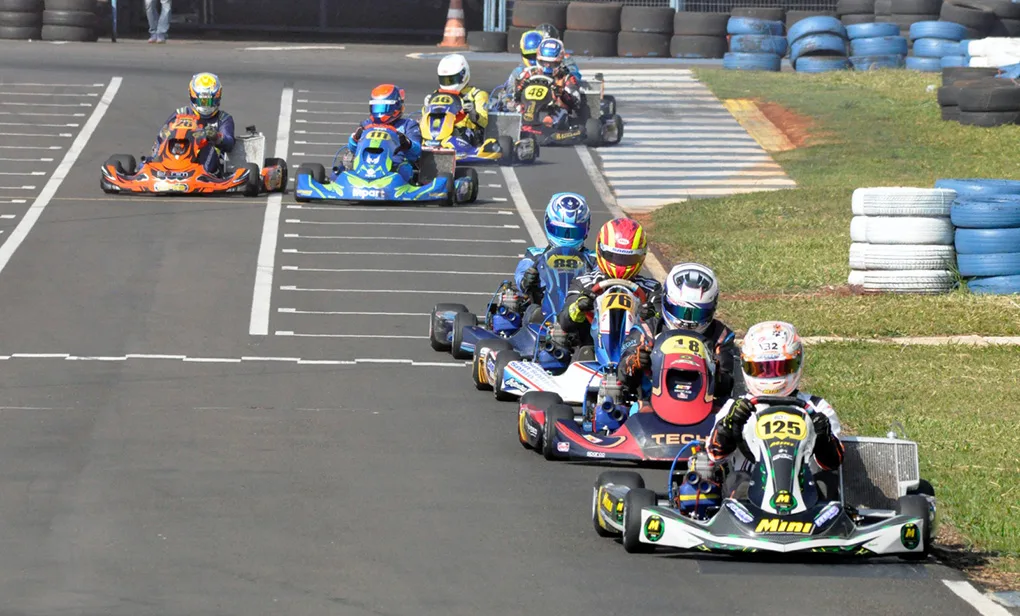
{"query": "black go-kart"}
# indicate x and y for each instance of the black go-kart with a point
(593, 124)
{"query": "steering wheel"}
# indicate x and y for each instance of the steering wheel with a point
(783, 401)
(600, 287)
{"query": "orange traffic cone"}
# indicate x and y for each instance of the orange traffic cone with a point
(455, 35)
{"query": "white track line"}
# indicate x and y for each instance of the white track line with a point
(407, 239)
(296, 221)
(295, 251)
(26, 160)
(65, 95)
(47, 115)
(296, 268)
(381, 336)
(400, 210)
(29, 147)
(262, 295)
(12, 104)
(305, 101)
(46, 135)
(429, 292)
(22, 173)
(52, 85)
(65, 125)
(35, 211)
(981, 603)
(531, 223)
(17, 187)
(316, 112)
(232, 360)
(352, 313)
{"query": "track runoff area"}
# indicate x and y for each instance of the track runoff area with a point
(342, 289)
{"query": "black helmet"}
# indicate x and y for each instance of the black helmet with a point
(549, 31)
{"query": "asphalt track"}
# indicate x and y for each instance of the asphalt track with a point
(140, 482)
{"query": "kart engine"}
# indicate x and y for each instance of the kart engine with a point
(697, 492)
(509, 300)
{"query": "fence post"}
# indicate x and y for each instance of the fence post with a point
(502, 16)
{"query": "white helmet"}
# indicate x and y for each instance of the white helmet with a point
(454, 73)
(690, 297)
(771, 358)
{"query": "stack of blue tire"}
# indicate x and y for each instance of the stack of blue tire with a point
(876, 46)
(818, 45)
(755, 44)
(936, 42)
(986, 215)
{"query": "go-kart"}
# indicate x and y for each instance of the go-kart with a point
(882, 508)
(370, 174)
(510, 317)
(175, 168)
(438, 131)
(612, 424)
(594, 125)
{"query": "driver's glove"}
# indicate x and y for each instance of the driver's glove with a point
(468, 105)
(529, 281)
(648, 311)
(581, 306)
(405, 143)
(644, 355)
(736, 418)
(823, 428)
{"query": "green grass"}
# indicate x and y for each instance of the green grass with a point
(877, 128)
(959, 404)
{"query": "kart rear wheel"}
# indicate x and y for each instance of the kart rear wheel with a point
(617, 123)
(916, 505)
(553, 414)
(282, 164)
(123, 163)
(633, 503)
(254, 186)
(313, 170)
(593, 133)
(629, 479)
(506, 146)
(437, 344)
(609, 104)
(534, 151)
(460, 321)
(504, 358)
(477, 367)
(541, 399)
(450, 191)
(472, 176)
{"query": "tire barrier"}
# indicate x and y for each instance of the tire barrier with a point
(528, 13)
(755, 44)
(21, 19)
(855, 12)
(986, 214)
(699, 35)
(818, 45)
(974, 97)
(486, 41)
(931, 42)
(70, 20)
(902, 240)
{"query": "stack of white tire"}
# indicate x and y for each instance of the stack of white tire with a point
(902, 240)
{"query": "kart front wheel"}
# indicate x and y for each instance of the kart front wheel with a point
(917, 506)
(469, 174)
(125, 164)
(254, 185)
(593, 133)
(553, 414)
(451, 190)
(633, 502)
(628, 479)
(460, 321)
(437, 335)
(504, 358)
(478, 366)
(284, 173)
(506, 147)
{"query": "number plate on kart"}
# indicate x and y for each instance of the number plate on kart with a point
(441, 99)
(164, 186)
(381, 135)
(781, 426)
(684, 345)
(536, 93)
(565, 263)
(620, 301)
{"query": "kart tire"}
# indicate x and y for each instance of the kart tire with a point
(952, 74)
(486, 41)
(20, 33)
(909, 230)
(629, 479)
(916, 505)
(817, 25)
(529, 14)
(759, 43)
(994, 285)
(855, 7)
(254, 186)
(592, 44)
(986, 265)
(986, 241)
(925, 65)
(68, 33)
(502, 360)
(617, 121)
(593, 133)
(18, 19)
(874, 63)
(937, 30)
(124, 163)
(642, 45)
(988, 213)
(438, 345)
(513, 38)
(450, 192)
(697, 46)
(902, 201)
(990, 96)
(506, 145)
(856, 20)
(472, 176)
(22, 6)
(751, 25)
(821, 64)
(460, 321)
(979, 19)
(553, 414)
(647, 19)
(593, 17)
(80, 19)
(950, 113)
(279, 162)
(633, 503)
(542, 399)
(871, 30)
(87, 6)
(535, 149)
(476, 360)
(879, 46)
(760, 12)
(980, 188)
(700, 24)
(988, 119)
(792, 17)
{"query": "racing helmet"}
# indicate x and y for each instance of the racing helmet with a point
(690, 297)
(621, 248)
(387, 103)
(548, 31)
(771, 359)
(550, 55)
(530, 42)
(454, 73)
(205, 91)
(567, 220)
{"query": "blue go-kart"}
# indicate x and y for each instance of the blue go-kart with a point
(370, 174)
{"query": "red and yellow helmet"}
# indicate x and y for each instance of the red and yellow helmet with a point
(387, 103)
(621, 248)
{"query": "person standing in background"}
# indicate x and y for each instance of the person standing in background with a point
(159, 20)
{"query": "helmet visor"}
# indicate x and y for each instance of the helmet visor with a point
(205, 101)
(547, 65)
(688, 314)
(565, 232)
(771, 369)
(451, 80)
(382, 108)
(623, 259)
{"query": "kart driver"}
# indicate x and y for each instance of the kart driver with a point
(454, 75)
(689, 301)
(550, 32)
(386, 109)
(529, 44)
(214, 124)
(771, 360)
(550, 64)
(567, 222)
(620, 252)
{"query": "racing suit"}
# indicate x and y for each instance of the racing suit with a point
(568, 93)
(407, 153)
(531, 257)
(723, 444)
(223, 141)
(631, 373)
(574, 321)
(515, 77)
(472, 123)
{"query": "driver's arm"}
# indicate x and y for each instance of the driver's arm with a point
(729, 426)
(352, 142)
(225, 140)
(828, 448)
(632, 367)
(480, 98)
(413, 133)
(164, 130)
(571, 317)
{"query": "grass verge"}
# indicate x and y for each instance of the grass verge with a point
(783, 254)
(959, 403)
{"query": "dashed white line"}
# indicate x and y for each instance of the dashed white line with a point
(352, 313)
(407, 239)
(61, 94)
(311, 102)
(981, 603)
(22, 173)
(399, 254)
(17, 187)
(263, 292)
(67, 125)
(7, 216)
(13, 104)
(29, 147)
(357, 113)
(311, 132)
(26, 160)
(213, 360)
(52, 85)
(14, 201)
(429, 292)
(443, 272)
(295, 221)
(41, 355)
(43, 115)
(395, 210)
(226, 360)
(379, 336)
(523, 208)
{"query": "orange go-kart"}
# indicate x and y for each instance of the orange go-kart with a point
(175, 169)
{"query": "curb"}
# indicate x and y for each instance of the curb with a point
(761, 129)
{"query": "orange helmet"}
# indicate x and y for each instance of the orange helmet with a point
(387, 103)
(621, 248)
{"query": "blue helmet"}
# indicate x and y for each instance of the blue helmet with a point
(550, 55)
(530, 41)
(567, 220)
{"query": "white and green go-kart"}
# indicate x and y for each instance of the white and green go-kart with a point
(884, 506)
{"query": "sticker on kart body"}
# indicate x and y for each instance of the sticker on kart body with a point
(367, 193)
(654, 528)
(910, 536)
(165, 186)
